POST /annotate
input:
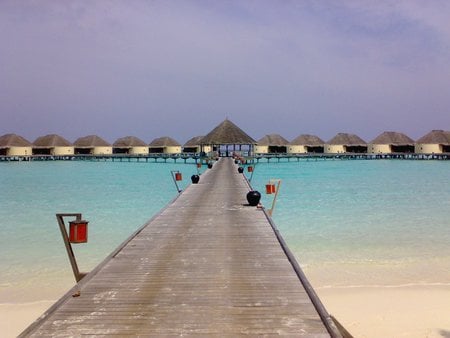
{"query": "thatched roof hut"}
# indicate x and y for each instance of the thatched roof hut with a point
(436, 141)
(346, 143)
(130, 145)
(227, 135)
(306, 143)
(92, 144)
(193, 145)
(391, 142)
(52, 145)
(14, 145)
(272, 143)
(165, 145)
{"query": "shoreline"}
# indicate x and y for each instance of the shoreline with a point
(414, 311)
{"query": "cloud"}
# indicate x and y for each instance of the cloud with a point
(179, 68)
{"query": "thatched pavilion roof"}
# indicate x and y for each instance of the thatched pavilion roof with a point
(51, 140)
(227, 133)
(129, 141)
(91, 141)
(307, 140)
(436, 137)
(392, 137)
(347, 139)
(13, 140)
(164, 141)
(193, 142)
(273, 140)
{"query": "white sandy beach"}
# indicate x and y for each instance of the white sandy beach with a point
(407, 311)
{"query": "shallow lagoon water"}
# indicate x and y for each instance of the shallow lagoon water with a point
(350, 223)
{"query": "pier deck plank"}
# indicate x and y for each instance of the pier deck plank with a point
(206, 265)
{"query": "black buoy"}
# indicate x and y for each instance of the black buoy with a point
(240, 170)
(253, 198)
(195, 179)
(209, 165)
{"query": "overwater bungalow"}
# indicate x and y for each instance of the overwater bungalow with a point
(306, 144)
(227, 138)
(164, 145)
(92, 145)
(272, 143)
(14, 145)
(54, 145)
(391, 142)
(435, 142)
(345, 143)
(194, 146)
(130, 145)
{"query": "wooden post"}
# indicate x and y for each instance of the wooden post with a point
(73, 262)
(270, 211)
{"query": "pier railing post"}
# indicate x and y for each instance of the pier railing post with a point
(73, 262)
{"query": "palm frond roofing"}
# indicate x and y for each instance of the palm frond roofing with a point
(307, 140)
(273, 140)
(129, 141)
(436, 137)
(347, 139)
(52, 140)
(13, 140)
(392, 137)
(227, 133)
(193, 142)
(164, 141)
(91, 141)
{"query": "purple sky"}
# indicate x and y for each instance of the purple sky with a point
(178, 68)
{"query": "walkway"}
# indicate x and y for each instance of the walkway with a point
(206, 265)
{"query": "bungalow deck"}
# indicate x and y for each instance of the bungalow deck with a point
(206, 265)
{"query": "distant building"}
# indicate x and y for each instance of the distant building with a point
(130, 145)
(52, 144)
(165, 145)
(272, 143)
(306, 144)
(435, 142)
(14, 145)
(391, 142)
(345, 143)
(227, 139)
(194, 145)
(92, 145)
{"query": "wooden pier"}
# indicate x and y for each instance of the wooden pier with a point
(206, 265)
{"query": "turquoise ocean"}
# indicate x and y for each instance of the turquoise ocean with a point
(350, 223)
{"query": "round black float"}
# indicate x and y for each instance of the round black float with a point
(209, 165)
(195, 179)
(240, 170)
(253, 198)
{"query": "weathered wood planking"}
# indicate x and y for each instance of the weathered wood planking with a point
(206, 265)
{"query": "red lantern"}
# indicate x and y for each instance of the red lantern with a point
(250, 169)
(270, 188)
(78, 231)
(178, 177)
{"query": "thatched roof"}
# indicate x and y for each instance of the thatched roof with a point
(164, 142)
(227, 133)
(307, 140)
(347, 139)
(273, 140)
(51, 140)
(91, 141)
(436, 137)
(129, 141)
(13, 140)
(194, 142)
(392, 137)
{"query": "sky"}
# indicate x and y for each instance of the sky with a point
(179, 68)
